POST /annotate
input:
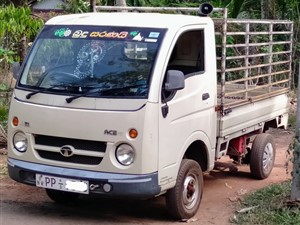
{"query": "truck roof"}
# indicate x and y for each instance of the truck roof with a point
(132, 19)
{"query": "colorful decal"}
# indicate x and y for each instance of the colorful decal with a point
(150, 40)
(97, 32)
(80, 34)
(134, 33)
(138, 37)
(62, 32)
(153, 34)
(105, 34)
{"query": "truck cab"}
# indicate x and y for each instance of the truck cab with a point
(112, 106)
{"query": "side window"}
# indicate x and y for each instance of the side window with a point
(187, 56)
(188, 53)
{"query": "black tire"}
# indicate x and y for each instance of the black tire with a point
(184, 199)
(61, 197)
(262, 156)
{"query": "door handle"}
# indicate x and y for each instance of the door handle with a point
(205, 96)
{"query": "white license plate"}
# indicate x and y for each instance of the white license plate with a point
(62, 184)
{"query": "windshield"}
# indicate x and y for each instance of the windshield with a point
(118, 60)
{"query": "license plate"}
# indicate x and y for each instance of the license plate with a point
(62, 184)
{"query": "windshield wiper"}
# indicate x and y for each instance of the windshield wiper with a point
(62, 85)
(99, 91)
(92, 91)
(29, 95)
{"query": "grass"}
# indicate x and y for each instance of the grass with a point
(4, 107)
(3, 116)
(292, 120)
(3, 169)
(271, 207)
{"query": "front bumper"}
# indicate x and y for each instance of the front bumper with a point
(123, 185)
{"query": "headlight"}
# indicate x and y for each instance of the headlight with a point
(125, 154)
(20, 142)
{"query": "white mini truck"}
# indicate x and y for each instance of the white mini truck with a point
(138, 104)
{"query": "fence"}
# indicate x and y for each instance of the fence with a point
(254, 59)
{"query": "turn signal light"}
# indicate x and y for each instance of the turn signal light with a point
(15, 121)
(133, 133)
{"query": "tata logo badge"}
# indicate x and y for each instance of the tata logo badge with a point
(67, 150)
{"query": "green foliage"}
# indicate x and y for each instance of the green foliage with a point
(270, 207)
(16, 3)
(3, 115)
(76, 6)
(16, 23)
(6, 56)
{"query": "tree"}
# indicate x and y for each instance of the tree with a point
(121, 3)
(92, 5)
(16, 3)
(16, 25)
(295, 193)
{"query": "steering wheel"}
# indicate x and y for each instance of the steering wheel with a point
(53, 77)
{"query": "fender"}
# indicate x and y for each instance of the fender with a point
(167, 177)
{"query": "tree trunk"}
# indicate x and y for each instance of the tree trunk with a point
(262, 9)
(23, 49)
(19, 3)
(120, 3)
(92, 5)
(295, 193)
(267, 9)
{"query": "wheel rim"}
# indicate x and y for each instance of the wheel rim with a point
(268, 157)
(190, 191)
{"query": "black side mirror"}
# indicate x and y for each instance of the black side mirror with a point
(175, 80)
(15, 69)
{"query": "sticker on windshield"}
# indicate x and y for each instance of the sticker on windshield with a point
(150, 40)
(153, 34)
(137, 36)
(105, 34)
(80, 34)
(62, 32)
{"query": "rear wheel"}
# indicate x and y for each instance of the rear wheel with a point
(184, 199)
(262, 156)
(61, 196)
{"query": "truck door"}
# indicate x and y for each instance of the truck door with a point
(187, 115)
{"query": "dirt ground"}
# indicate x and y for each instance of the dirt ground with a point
(224, 187)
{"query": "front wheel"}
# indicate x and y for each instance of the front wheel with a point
(184, 199)
(61, 197)
(262, 156)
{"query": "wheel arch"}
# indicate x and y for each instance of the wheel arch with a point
(270, 124)
(278, 122)
(197, 147)
(198, 151)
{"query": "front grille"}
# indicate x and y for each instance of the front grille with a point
(42, 144)
(96, 146)
(80, 159)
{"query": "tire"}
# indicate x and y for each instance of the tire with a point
(262, 156)
(184, 199)
(61, 197)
